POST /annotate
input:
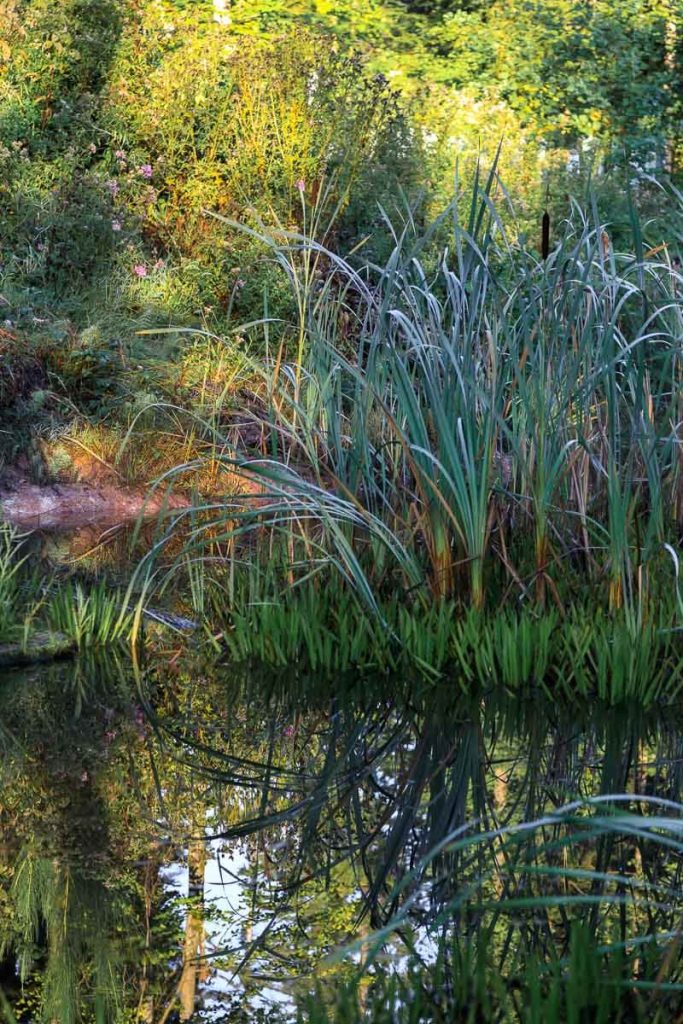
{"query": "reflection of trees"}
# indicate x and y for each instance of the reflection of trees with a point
(193, 946)
(62, 926)
(83, 910)
(334, 809)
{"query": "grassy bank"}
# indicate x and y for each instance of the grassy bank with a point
(466, 430)
(465, 461)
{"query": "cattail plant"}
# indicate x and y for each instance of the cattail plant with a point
(470, 423)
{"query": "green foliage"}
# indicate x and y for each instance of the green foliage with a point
(467, 427)
(86, 365)
(587, 75)
(92, 617)
(56, 214)
(106, 181)
(584, 71)
(106, 178)
(11, 561)
(271, 119)
(325, 630)
(54, 60)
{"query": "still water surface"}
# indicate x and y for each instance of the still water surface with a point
(199, 842)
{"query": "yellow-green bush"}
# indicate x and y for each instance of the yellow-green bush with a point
(123, 126)
(272, 121)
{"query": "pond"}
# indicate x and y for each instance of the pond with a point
(189, 840)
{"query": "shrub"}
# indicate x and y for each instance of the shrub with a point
(56, 214)
(271, 120)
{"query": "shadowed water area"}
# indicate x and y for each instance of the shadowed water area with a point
(196, 841)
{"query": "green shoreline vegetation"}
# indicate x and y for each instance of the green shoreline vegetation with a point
(481, 431)
(388, 298)
(475, 465)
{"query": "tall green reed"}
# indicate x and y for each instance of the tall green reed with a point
(468, 421)
(95, 616)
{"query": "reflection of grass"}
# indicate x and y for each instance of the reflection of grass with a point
(547, 934)
(442, 822)
(635, 982)
(11, 562)
(479, 892)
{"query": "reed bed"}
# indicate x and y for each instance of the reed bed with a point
(583, 655)
(469, 423)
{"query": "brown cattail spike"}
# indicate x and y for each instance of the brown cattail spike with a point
(545, 235)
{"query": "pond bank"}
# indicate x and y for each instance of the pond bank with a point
(70, 506)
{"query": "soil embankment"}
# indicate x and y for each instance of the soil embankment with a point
(71, 506)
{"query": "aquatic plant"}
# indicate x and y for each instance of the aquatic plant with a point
(89, 616)
(494, 399)
(326, 628)
(467, 423)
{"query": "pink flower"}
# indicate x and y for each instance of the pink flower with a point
(159, 265)
(113, 187)
(140, 269)
(116, 225)
(120, 154)
(301, 185)
(145, 171)
(92, 147)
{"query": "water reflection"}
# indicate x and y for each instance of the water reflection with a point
(196, 843)
(96, 548)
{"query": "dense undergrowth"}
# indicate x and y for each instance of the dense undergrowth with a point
(106, 185)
